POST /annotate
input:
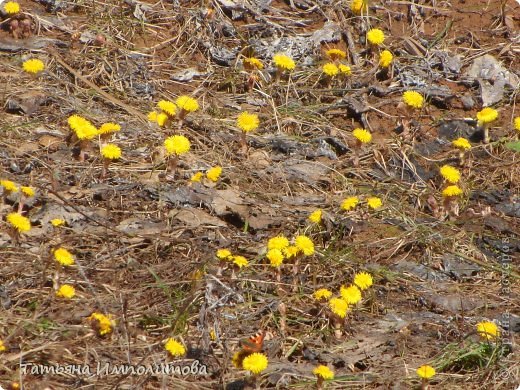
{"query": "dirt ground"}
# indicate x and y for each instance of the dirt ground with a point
(145, 243)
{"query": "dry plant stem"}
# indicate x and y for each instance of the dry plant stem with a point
(462, 158)
(243, 143)
(338, 332)
(15, 235)
(282, 309)
(251, 82)
(319, 383)
(278, 75)
(357, 150)
(255, 382)
(451, 206)
(424, 384)
(296, 269)
(486, 133)
(279, 288)
(21, 203)
(104, 169)
(83, 145)
(172, 165)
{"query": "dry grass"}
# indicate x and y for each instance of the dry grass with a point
(142, 257)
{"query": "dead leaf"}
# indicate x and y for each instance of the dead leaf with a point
(193, 218)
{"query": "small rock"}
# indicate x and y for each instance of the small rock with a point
(467, 101)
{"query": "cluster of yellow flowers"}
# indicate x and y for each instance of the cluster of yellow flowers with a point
(102, 323)
(351, 202)
(279, 249)
(335, 67)
(168, 109)
(226, 255)
(452, 176)
(212, 174)
(348, 296)
(17, 221)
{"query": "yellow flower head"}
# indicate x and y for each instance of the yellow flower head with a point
(247, 122)
(304, 244)
(345, 69)
(104, 323)
(374, 202)
(196, 177)
(76, 121)
(330, 69)
(323, 372)
(278, 242)
(223, 254)
(336, 54)
(339, 307)
(315, 216)
(9, 186)
(83, 129)
(290, 251)
(362, 135)
(450, 174)
(177, 144)
(57, 222)
(385, 59)
(351, 294)
(461, 143)
(27, 191)
(283, 61)
(214, 173)
(66, 291)
(425, 372)
(86, 132)
(359, 6)
(256, 363)
(517, 123)
(33, 66)
(488, 330)
(363, 280)
(487, 115)
(19, 222)
(187, 103)
(237, 359)
(375, 37)
(161, 119)
(152, 116)
(253, 63)
(453, 190)
(322, 293)
(11, 7)
(349, 203)
(167, 107)
(109, 127)
(413, 99)
(63, 256)
(275, 257)
(240, 261)
(2, 346)
(111, 152)
(174, 347)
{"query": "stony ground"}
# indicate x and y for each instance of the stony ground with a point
(145, 245)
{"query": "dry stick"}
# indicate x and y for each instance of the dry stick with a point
(104, 94)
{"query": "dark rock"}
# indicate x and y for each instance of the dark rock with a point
(458, 268)
(511, 209)
(453, 129)
(467, 101)
(419, 270)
